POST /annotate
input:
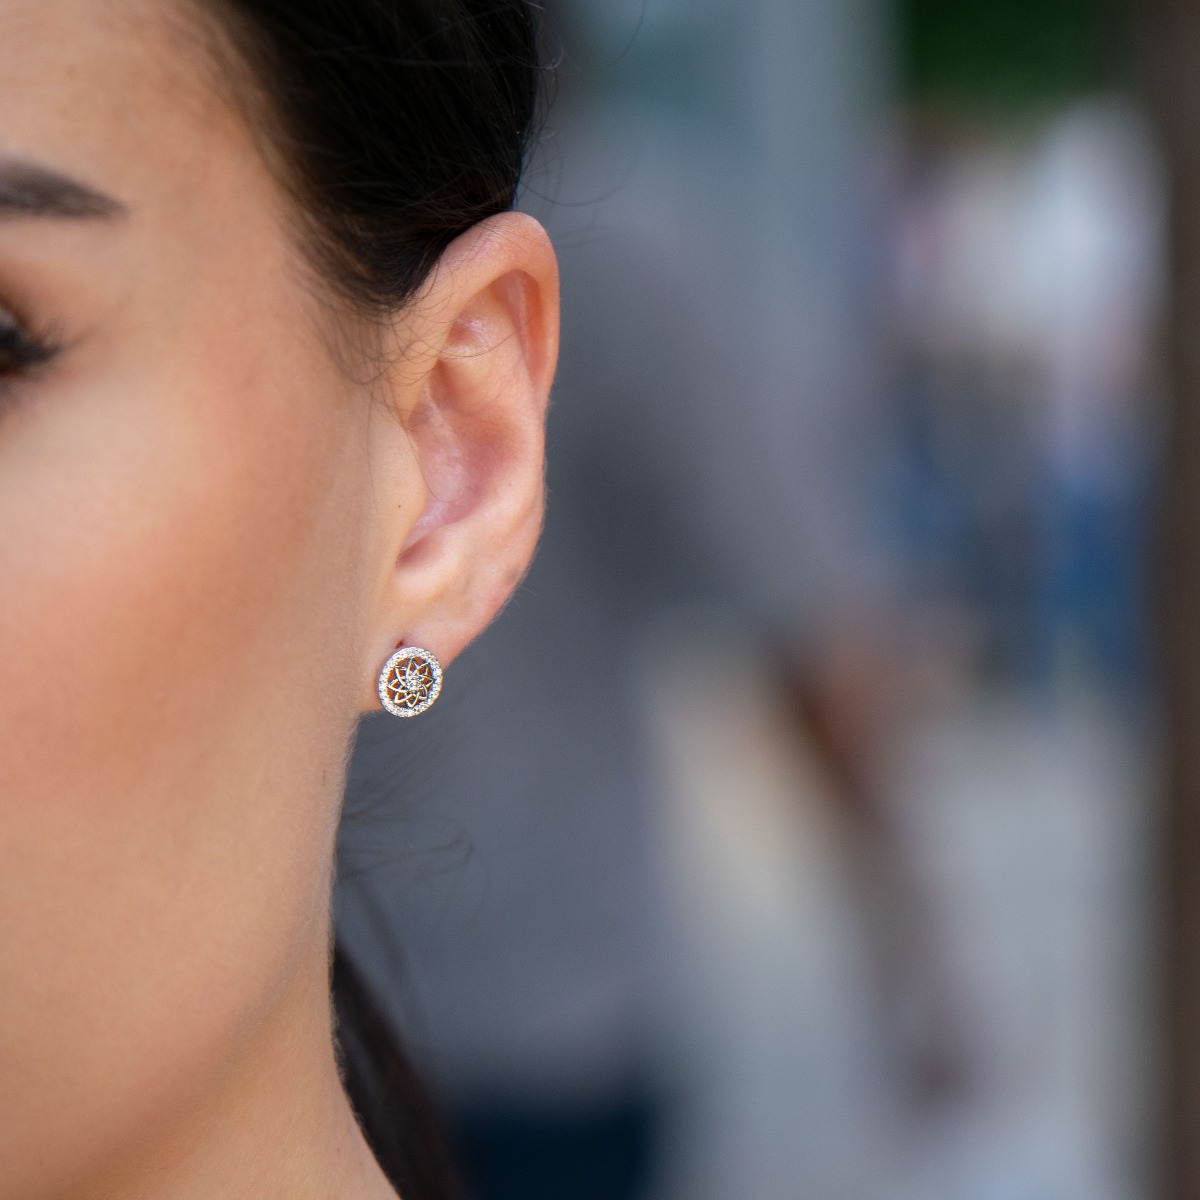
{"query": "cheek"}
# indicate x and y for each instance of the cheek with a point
(159, 557)
(175, 628)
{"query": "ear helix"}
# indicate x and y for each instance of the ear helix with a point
(411, 680)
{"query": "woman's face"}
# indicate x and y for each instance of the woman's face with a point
(186, 568)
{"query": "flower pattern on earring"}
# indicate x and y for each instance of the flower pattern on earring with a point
(411, 680)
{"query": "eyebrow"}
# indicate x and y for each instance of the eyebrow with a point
(29, 190)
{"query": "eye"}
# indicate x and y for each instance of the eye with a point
(20, 351)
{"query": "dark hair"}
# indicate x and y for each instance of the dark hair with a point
(396, 125)
(396, 1113)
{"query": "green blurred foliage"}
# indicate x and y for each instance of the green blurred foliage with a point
(1012, 54)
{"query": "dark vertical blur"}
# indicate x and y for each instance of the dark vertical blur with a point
(1171, 40)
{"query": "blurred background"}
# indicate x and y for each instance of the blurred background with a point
(793, 832)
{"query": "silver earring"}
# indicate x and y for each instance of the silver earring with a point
(411, 680)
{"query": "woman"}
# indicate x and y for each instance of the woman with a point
(274, 358)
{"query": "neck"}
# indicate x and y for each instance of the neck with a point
(277, 1124)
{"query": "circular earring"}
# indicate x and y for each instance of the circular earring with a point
(411, 680)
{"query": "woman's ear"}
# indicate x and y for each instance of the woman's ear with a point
(464, 484)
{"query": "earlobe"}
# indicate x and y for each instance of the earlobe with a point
(475, 421)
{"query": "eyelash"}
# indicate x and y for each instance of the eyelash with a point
(20, 350)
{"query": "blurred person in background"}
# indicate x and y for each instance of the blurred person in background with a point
(1025, 292)
(1026, 234)
(707, 178)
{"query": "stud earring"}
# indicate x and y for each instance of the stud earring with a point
(411, 680)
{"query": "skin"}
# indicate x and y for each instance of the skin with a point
(213, 532)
